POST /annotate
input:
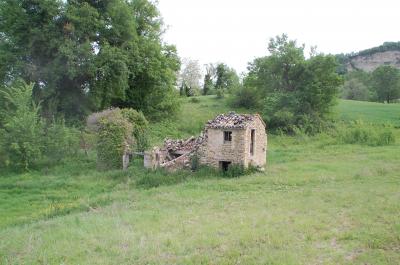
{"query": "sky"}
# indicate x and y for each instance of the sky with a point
(235, 32)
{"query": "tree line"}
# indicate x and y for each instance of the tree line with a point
(88, 55)
(381, 85)
(218, 79)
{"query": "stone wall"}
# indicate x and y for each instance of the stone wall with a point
(258, 158)
(216, 149)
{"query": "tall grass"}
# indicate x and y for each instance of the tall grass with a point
(359, 132)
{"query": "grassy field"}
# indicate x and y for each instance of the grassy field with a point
(369, 111)
(318, 203)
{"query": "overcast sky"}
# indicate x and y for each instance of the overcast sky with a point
(235, 32)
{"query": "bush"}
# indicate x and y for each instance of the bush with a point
(119, 131)
(153, 179)
(26, 138)
(246, 97)
(366, 134)
(355, 90)
(114, 140)
(235, 171)
(60, 141)
(220, 93)
(194, 100)
(139, 129)
(22, 129)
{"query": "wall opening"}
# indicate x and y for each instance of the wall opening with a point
(224, 165)
(252, 141)
(227, 136)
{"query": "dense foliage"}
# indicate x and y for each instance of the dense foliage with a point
(26, 139)
(381, 85)
(114, 141)
(119, 132)
(289, 89)
(357, 86)
(85, 55)
(226, 78)
(386, 83)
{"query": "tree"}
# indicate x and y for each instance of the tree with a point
(209, 79)
(22, 129)
(190, 76)
(355, 90)
(386, 83)
(227, 78)
(25, 137)
(295, 91)
(86, 55)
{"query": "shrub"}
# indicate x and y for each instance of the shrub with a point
(60, 141)
(152, 179)
(139, 129)
(114, 140)
(26, 139)
(194, 100)
(194, 162)
(366, 134)
(120, 131)
(246, 97)
(22, 129)
(220, 93)
(235, 171)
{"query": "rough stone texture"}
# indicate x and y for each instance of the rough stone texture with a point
(230, 121)
(211, 148)
(371, 62)
(258, 158)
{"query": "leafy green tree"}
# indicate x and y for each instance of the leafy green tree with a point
(355, 90)
(208, 85)
(295, 91)
(22, 129)
(226, 78)
(386, 83)
(25, 138)
(85, 55)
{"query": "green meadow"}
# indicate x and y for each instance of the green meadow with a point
(319, 201)
(369, 111)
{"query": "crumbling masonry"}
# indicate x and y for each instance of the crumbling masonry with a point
(228, 139)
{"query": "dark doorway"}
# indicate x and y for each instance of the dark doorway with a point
(252, 136)
(224, 165)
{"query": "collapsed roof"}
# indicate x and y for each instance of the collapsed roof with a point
(231, 120)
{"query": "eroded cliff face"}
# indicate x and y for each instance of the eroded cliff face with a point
(369, 63)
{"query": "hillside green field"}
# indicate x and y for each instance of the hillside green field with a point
(369, 111)
(319, 202)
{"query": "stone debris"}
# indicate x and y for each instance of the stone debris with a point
(231, 120)
(175, 154)
(183, 146)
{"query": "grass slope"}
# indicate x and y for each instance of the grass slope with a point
(317, 203)
(369, 111)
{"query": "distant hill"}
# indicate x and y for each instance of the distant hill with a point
(368, 60)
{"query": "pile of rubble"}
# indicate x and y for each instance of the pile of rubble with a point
(177, 154)
(183, 146)
(231, 120)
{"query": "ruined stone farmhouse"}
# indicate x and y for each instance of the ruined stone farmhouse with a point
(228, 139)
